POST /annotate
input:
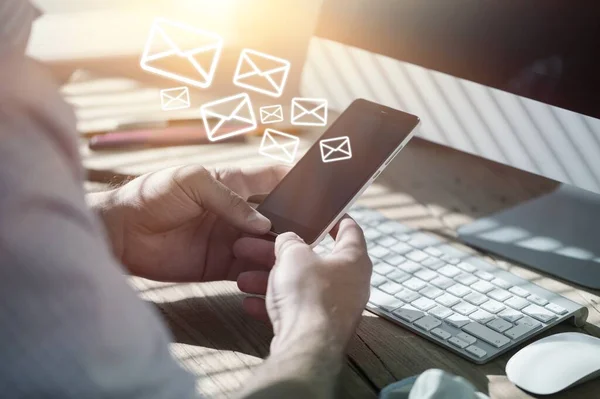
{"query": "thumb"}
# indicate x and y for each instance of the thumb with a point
(217, 198)
(290, 244)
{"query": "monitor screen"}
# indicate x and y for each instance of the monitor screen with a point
(543, 50)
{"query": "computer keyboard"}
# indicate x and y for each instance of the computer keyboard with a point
(451, 297)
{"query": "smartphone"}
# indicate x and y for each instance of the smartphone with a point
(335, 171)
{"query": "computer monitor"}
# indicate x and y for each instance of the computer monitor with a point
(514, 82)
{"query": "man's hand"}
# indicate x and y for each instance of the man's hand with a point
(314, 304)
(180, 224)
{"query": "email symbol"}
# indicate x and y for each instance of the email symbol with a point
(182, 52)
(271, 114)
(279, 146)
(175, 98)
(335, 149)
(228, 117)
(261, 72)
(309, 111)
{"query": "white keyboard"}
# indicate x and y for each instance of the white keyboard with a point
(453, 298)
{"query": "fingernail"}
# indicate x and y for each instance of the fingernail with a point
(259, 222)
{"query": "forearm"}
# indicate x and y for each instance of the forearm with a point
(306, 367)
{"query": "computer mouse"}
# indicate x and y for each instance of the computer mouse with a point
(555, 363)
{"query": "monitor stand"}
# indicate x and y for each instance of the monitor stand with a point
(558, 233)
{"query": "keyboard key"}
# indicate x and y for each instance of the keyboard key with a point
(408, 313)
(390, 287)
(450, 259)
(372, 234)
(449, 271)
(417, 256)
(389, 227)
(482, 274)
(482, 316)
(414, 284)
(466, 337)
(438, 332)
(433, 263)
(447, 300)
(407, 295)
(440, 312)
(538, 300)
(378, 251)
(519, 330)
(539, 313)
(477, 351)
(501, 283)
(383, 300)
(427, 323)
(423, 303)
(387, 241)
(458, 342)
(422, 240)
(499, 325)
(398, 276)
(409, 266)
(469, 268)
(426, 274)
(556, 309)
(395, 260)
(482, 286)
(516, 302)
(464, 308)
(402, 237)
(475, 298)
(510, 315)
(433, 251)
(466, 279)
(499, 295)
(519, 291)
(383, 268)
(493, 306)
(442, 282)
(459, 290)
(485, 334)
(529, 321)
(377, 280)
(431, 292)
(401, 248)
(457, 320)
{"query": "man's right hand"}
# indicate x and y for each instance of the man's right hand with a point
(311, 298)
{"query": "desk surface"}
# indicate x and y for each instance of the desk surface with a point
(427, 186)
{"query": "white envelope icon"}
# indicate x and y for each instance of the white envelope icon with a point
(182, 52)
(279, 146)
(309, 111)
(261, 72)
(228, 117)
(175, 98)
(335, 149)
(271, 114)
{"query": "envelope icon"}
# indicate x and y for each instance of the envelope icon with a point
(228, 117)
(182, 52)
(175, 98)
(271, 114)
(335, 149)
(309, 111)
(279, 146)
(261, 72)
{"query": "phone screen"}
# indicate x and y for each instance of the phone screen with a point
(314, 192)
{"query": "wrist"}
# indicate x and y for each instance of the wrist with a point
(104, 204)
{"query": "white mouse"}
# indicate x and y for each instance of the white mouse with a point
(555, 363)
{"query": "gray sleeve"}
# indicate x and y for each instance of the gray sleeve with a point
(70, 326)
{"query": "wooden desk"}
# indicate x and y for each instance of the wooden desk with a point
(427, 186)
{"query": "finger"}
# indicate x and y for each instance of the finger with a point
(254, 282)
(290, 244)
(257, 308)
(252, 181)
(255, 250)
(214, 196)
(350, 240)
(334, 231)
